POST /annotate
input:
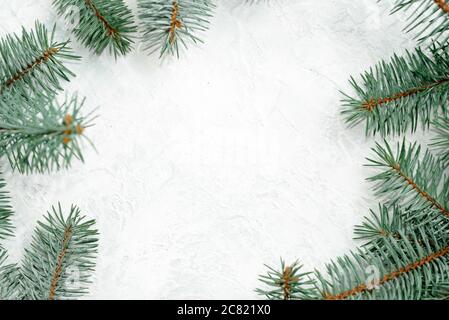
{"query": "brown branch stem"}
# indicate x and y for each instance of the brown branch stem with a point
(47, 54)
(374, 103)
(58, 270)
(421, 192)
(110, 31)
(388, 277)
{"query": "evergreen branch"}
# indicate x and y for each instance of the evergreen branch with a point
(50, 52)
(6, 212)
(287, 284)
(398, 269)
(441, 142)
(102, 24)
(58, 270)
(110, 30)
(34, 62)
(61, 258)
(6, 285)
(439, 291)
(392, 223)
(400, 95)
(418, 184)
(429, 18)
(168, 25)
(9, 279)
(37, 134)
(386, 223)
(392, 276)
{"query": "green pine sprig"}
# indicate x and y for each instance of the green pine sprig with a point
(401, 267)
(6, 212)
(288, 283)
(39, 134)
(61, 258)
(417, 182)
(9, 278)
(101, 24)
(168, 26)
(428, 19)
(34, 62)
(439, 291)
(401, 95)
(385, 222)
(392, 222)
(441, 142)
(59, 262)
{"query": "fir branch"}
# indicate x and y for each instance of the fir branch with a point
(439, 291)
(168, 25)
(103, 24)
(400, 95)
(392, 223)
(34, 62)
(398, 269)
(441, 142)
(419, 184)
(5, 290)
(289, 283)
(6, 212)
(110, 30)
(38, 134)
(391, 276)
(429, 19)
(68, 232)
(9, 279)
(61, 258)
(382, 224)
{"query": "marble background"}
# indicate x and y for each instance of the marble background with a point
(228, 158)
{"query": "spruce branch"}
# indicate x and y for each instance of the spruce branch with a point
(169, 25)
(9, 278)
(103, 24)
(429, 19)
(418, 184)
(439, 291)
(404, 279)
(61, 258)
(34, 62)
(6, 212)
(399, 269)
(381, 224)
(5, 272)
(393, 222)
(288, 283)
(441, 143)
(401, 95)
(39, 134)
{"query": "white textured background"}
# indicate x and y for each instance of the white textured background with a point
(232, 156)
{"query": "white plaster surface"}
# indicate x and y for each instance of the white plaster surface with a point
(228, 158)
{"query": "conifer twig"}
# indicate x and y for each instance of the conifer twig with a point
(169, 25)
(100, 24)
(428, 19)
(418, 183)
(400, 95)
(39, 134)
(34, 62)
(62, 248)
